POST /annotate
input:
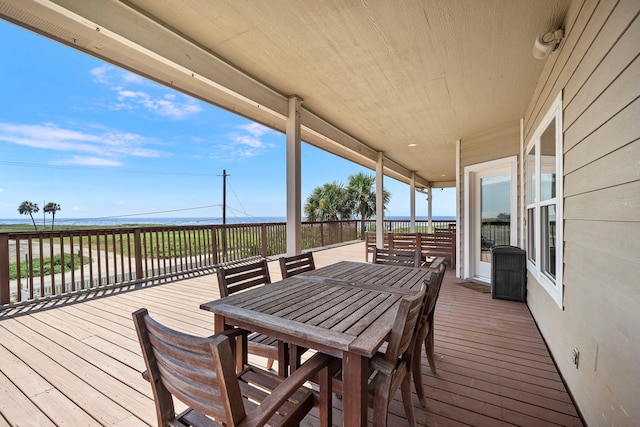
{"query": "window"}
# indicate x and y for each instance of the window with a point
(544, 202)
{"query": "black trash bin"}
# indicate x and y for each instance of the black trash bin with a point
(508, 273)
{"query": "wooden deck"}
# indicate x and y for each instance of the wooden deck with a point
(77, 362)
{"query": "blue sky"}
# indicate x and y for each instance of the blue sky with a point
(101, 141)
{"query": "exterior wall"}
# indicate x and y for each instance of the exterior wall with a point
(598, 70)
(490, 145)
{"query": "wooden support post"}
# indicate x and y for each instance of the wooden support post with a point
(5, 290)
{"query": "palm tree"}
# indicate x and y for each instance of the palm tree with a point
(362, 192)
(30, 208)
(52, 208)
(328, 203)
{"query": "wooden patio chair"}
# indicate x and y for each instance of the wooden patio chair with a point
(296, 264)
(392, 369)
(200, 372)
(235, 278)
(425, 331)
(401, 257)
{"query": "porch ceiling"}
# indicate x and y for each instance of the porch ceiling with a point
(373, 76)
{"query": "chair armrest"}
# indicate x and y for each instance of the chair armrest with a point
(233, 333)
(239, 339)
(270, 405)
(382, 365)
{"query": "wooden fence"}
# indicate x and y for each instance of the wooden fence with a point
(43, 264)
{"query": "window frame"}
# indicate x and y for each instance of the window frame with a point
(535, 261)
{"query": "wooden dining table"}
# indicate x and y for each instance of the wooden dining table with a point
(345, 310)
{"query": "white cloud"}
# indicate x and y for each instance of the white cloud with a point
(244, 143)
(132, 98)
(1, 190)
(78, 208)
(102, 148)
(255, 129)
(100, 74)
(88, 161)
(249, 141)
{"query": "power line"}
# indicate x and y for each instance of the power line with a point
(236, 196)
(100, 169)
(139, 214)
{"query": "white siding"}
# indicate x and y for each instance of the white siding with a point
(598, 70)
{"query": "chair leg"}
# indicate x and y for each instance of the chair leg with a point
(381, 403)
(325, 380)
(405, 388)
(295, 357)
(269, 364)
(283, 359)
(428, 346)
(416, 370)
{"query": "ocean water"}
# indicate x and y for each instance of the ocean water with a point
(110, 221)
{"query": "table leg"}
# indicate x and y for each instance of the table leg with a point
(218, 324)
(354, 390)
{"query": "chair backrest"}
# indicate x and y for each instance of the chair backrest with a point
(296, 264)
(434, 283)
(404, 325)
(200, 372)
(244, 276)
(401, 257)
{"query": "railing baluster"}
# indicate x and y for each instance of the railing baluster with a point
(189, 245)
(91, 258)
(155, 252)
(122, 264)
(180, 239)
(63, 285)
(99, 257)
(146, 255)
(206, 235)
(173, 261)
(106, 258)
(72, 261)
(114, 255)
(18, 268)
(214, 249)
(165, 251)
(52, 266)
(82, 276)
(201, 246)
(41, 258)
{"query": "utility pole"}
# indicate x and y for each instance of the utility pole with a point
(224, 214)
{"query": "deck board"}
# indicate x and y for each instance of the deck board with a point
(79, 363)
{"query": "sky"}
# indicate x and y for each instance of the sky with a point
(103, 142)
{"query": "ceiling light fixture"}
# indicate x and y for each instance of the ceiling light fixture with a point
(412, 145)
(547, 42)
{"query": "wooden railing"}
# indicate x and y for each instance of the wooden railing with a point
(404, 225)
(442, 243)
(43, 264)
(495, 233)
